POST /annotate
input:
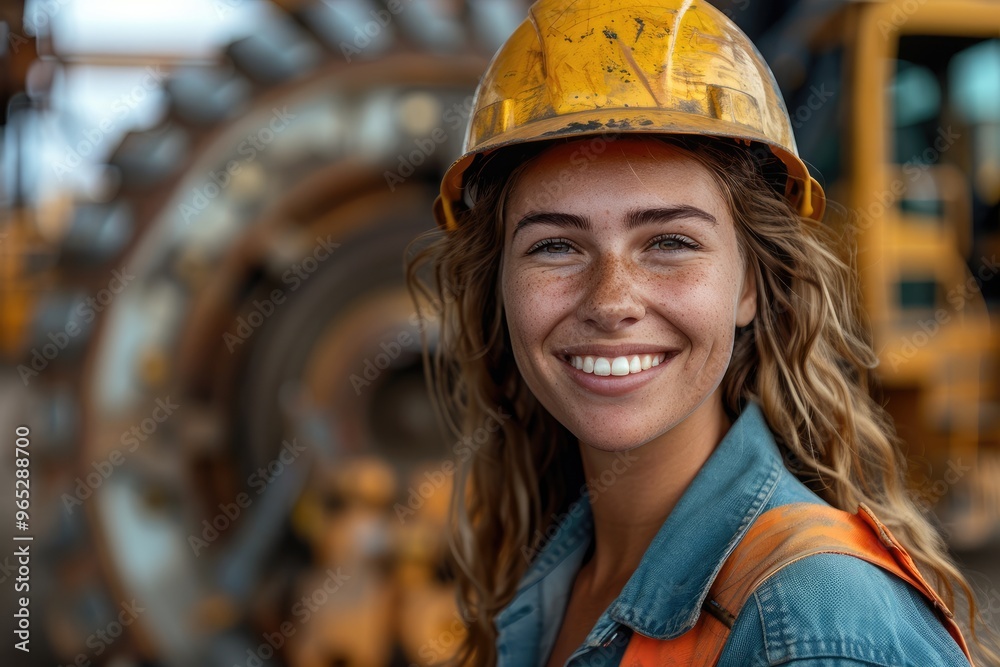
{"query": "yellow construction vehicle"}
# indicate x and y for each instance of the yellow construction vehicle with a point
(921, 181)
(897, 106)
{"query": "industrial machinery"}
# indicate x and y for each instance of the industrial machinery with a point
(914, 88)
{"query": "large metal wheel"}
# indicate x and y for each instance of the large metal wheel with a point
(257, 458)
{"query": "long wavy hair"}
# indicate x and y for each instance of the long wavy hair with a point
(806, 358)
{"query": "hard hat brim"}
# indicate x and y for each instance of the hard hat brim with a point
(810, 199)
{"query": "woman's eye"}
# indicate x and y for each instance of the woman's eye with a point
(551, 246)
(672, 242)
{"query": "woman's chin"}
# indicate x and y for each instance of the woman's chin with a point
(612, 440)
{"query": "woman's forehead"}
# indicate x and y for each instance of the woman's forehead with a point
(622, 144)
(586, 169)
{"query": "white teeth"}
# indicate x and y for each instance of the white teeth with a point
(617, 366)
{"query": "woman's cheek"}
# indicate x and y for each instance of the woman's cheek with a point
(533, 289)
(524, 306)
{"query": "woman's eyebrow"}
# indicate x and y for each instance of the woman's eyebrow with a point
(551, 218)
(647, 216)
(633, 219)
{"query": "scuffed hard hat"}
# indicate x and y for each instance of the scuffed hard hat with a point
(599, 67)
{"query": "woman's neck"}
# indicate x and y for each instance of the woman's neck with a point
(633, 492)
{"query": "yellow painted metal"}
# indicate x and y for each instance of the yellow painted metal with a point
(20, 287)
(603, 67)
(944, 353)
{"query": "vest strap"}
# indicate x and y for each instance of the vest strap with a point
(780, 537)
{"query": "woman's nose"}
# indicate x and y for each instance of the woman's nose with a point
(611, 301)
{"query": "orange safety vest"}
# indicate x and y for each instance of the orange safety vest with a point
(779, 538)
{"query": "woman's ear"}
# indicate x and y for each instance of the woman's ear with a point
(746, 307)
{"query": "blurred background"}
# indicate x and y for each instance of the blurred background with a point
(203, 209)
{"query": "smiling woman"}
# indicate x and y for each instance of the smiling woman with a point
(633, 264)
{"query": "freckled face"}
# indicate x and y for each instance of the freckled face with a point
(623, 286)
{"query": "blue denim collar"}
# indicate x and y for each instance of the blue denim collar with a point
(663, 598)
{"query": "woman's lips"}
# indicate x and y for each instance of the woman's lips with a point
(609, 383)
(618, 366)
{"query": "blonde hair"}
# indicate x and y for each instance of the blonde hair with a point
(806, 358)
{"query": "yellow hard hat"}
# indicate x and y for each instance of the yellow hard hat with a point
(599, 67)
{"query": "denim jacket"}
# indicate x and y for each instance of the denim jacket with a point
(827, 610)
